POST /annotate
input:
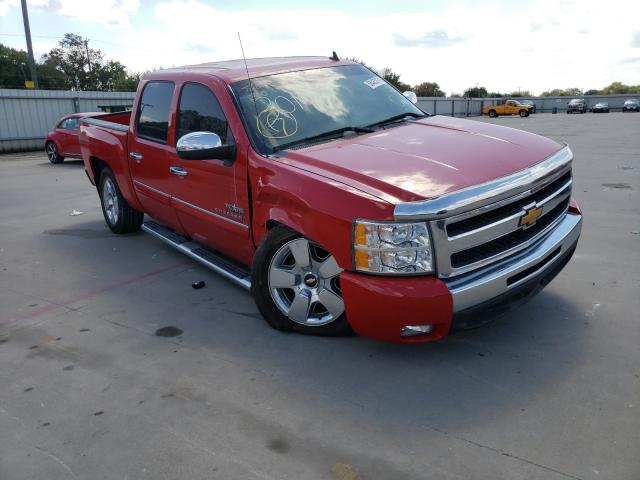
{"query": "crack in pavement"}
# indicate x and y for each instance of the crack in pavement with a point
(505, 454)
(57, 460)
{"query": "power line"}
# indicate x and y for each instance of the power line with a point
(55, 37)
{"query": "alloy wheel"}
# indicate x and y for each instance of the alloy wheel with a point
(110, 201)
(304, 283)
(52, 152)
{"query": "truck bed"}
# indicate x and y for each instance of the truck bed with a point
(104, 138)
(117, 121)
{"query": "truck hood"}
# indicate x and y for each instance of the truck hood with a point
(424, 159)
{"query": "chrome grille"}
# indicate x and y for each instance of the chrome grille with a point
(479, 237)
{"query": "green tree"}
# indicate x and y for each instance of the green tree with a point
(475, 92)
(495, 95)
(14, 67)
(559, 92)
(428, 89)
(620, 88)
(80, 64)
(593, 92)
(74, 65)
(394, 79)
(520, 93)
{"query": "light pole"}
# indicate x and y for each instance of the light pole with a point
(27, 34)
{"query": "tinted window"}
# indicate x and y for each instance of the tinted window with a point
(69, 124)
(153, 113)
(199, 111)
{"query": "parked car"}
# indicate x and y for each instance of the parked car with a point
(531, 103)
(631, 105)
(600, 107)
(509, 107)
(337, 202)
(62, 141)
(577, 105)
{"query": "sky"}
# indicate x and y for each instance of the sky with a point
(502, 45)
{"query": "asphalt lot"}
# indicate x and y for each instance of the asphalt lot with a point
(89, 391)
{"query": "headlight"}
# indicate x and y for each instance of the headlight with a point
(392, 248)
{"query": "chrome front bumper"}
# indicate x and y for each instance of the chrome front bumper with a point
(482, 286)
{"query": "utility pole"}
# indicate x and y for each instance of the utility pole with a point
(86, 47)
(27, 34)
(90, 85)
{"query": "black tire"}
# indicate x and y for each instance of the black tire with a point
(523, 113)
(119, 215)
(275, 241)
(493, 113)
(51, 149)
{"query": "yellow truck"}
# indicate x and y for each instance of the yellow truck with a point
(509, 107)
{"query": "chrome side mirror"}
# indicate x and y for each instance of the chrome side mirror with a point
(411, 96)
(204, 146)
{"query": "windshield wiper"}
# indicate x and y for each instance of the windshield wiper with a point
(396, 118)
(330, 133)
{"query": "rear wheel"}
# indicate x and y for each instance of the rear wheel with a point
(52, 153)
(296, 285)
(493, 113)
(119, 215)
(523, 113)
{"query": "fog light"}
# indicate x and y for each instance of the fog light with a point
(413, 330)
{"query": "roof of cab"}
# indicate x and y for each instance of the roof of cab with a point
(234, 70)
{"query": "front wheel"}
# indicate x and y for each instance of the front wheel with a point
(523, 113)
(119, 215)
(52, 153)
(296, 285)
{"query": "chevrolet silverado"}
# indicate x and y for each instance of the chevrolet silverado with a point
(340, 205)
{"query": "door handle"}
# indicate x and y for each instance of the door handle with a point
(136, 156)
(181, 172)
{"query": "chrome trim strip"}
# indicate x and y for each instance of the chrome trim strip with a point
(478, 195)
(501, 227)
(102, 123)
(184, 248)
(486, 284)
(209, 213)
(71, 154)
(505, 253)
(159, 192)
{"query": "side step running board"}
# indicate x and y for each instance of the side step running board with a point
(210, 259)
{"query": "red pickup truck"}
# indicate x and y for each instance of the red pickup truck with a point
(342, 206)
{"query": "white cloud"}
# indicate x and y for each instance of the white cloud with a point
(548, 43)
(542, 46)
(6, 5)
(114, 13)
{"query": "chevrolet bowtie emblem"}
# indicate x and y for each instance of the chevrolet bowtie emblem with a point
(530, 216)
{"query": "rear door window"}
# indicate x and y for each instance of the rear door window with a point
(200, 111)
(69, 124)
(153, 111)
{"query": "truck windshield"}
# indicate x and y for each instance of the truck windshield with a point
(291, 107)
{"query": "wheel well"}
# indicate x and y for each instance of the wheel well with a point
(97, 165)
(271, 224)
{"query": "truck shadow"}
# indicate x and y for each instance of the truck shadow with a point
(68, 163)
(472, 377)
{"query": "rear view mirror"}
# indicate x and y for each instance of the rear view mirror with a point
(411, 96)
(204, 146)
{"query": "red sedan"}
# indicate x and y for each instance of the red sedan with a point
(62, 141)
